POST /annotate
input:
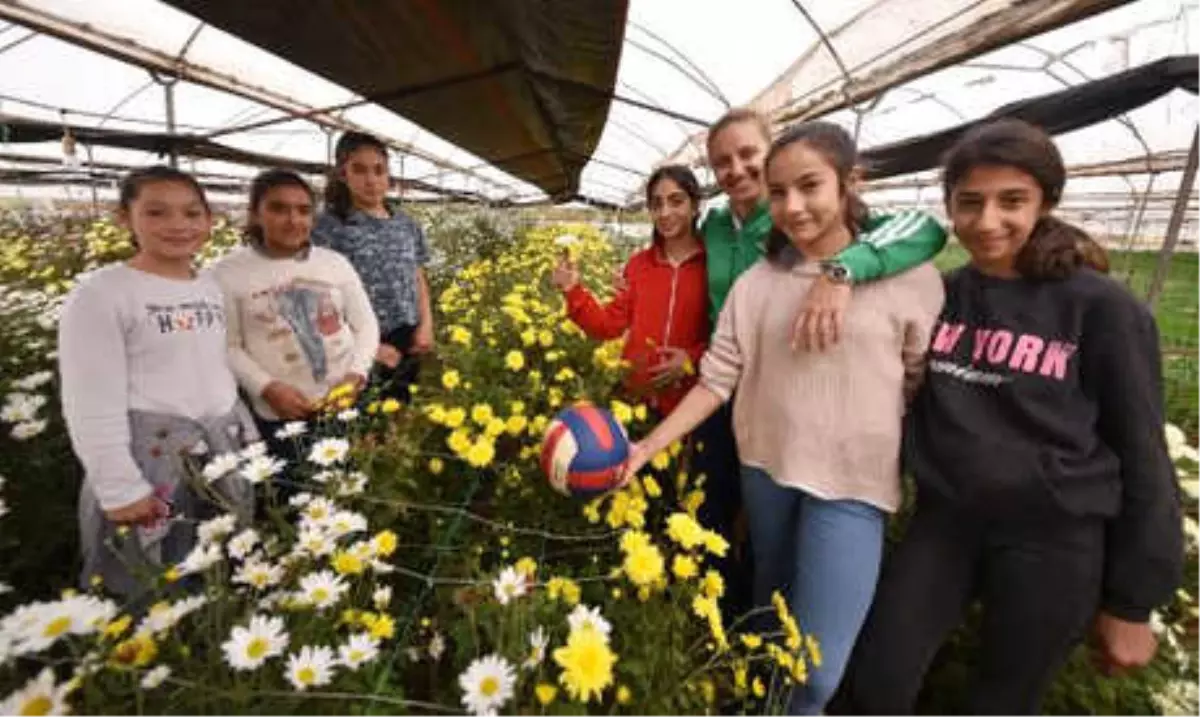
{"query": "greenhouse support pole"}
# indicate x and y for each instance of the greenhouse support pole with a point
(169, 96)
(1175, 225)
(92, 182)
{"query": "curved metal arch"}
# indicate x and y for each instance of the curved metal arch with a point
(675, 66)
(687, 60)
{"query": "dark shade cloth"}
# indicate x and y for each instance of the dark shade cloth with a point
(1056, 113)
(523, 84)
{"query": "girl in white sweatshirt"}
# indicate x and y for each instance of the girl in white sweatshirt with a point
(146, 384)
(300, 322)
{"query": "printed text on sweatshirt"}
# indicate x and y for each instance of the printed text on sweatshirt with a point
(1044, 402)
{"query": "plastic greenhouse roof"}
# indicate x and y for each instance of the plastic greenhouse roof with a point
(693, 58)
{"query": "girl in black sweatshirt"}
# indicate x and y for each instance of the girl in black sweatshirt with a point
(1044, 485)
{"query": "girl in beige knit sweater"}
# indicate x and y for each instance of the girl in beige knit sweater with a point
(818, 433)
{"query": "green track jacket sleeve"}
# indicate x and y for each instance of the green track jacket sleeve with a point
(892, 243)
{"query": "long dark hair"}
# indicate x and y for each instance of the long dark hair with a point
(337, 194)
(1055, 248)
(837, 147)
(132, 184)
(263, 183)
(686, 180)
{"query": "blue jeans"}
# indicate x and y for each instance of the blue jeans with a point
(824, 557)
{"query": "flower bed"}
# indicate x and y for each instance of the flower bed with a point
(426, 566)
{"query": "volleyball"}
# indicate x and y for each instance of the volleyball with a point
(583, 450)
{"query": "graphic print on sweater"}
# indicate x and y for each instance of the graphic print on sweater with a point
(996, 353)
(306, 311)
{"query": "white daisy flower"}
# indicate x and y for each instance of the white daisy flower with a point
(249, 647)
(155, 677)
(163, 617)
(328, 451)
(348, 415)
(509, 586)
(358, 650)
(28, 429)
(382, 597)
(437, 646)
(215, 529)
(240, 545)
(39, 696)
(21, 407)
(345, 522)
(322, 589)
(3, 508)
(292, 429)
(271, 600)
(363, 550)
(221, 466)
(261, 468)
(37, 626)
(318, 510)
(254, 450)
(33, 380)
(315, 541)
(313, 667)
(325, 476)
(258, 575)
(353, 484)
(381, 567)
(202, 557)
(589, 618)
(538, 642)
(487, 684)
(300, 500)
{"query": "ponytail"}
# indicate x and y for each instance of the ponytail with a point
(1056, 249)
(337, 195)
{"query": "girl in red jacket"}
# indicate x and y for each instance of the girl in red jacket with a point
(663, 302)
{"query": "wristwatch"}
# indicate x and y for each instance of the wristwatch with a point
(835, 271)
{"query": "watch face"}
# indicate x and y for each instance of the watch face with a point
(835, 272)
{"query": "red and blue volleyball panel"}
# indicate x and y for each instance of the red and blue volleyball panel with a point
(584, 449)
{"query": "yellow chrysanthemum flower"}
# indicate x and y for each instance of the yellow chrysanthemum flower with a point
(459, 441)
(347, 563)
(684, 567)
(587, 664)
(384, 543)
(481, 453)
(545, 693)
(454, 418)
(644, 565)
(481, 413)
(622, 412)
(515, 425)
